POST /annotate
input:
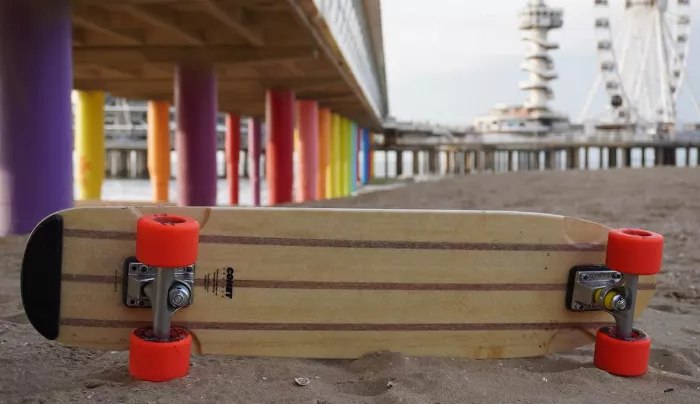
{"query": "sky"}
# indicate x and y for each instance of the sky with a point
(450, 60)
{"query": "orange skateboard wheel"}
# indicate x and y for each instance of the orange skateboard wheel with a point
(622, 357)
(167, 241)
(634, 251)
(159, 361)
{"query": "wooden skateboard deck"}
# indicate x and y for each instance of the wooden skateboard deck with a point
(329, 283)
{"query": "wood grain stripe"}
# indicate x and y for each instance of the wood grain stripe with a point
(381, 244)
(78, 322)
(262, 284)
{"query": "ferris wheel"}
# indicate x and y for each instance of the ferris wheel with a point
(641, 59)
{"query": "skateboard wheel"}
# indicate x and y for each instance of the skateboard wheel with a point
(159, 361)
(634, 251)
(622, 357)
(167, 241)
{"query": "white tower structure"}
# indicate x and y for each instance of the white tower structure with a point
(536, 20)
(533, 117)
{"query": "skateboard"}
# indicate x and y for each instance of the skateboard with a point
(166, 282)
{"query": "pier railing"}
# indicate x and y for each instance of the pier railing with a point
(347, 22)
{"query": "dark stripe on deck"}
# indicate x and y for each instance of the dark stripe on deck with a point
(77, 322)
(329, 243)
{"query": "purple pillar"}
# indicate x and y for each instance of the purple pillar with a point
(254, 142)
(195, 140)
(36, 133)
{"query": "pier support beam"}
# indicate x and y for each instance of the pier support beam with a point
(90, 144)
(335, 162)
(195, 141)
(366, 157)
(353, 156)
(36, 133)
(158, 143)
(323, 177)
(612, 157)
(232, 152)
(254, 151)
(308, 149)
(279, 153)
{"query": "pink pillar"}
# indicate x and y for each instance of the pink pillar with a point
(308, 150)
(232, 151)
(254, 142)
(279, 153)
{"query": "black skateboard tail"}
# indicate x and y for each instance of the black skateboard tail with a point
(40, 278)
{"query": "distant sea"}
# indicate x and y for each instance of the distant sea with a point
(140, 189)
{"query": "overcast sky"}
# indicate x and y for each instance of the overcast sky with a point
(449, 60)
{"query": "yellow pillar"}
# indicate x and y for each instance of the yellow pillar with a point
(336, 155)
(90, 143)
(159, 149)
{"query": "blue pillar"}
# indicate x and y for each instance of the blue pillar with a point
(36, 131)
(366, 155)
(353, 163)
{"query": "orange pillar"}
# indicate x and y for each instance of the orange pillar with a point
(324, 153)
(232, 151)
(308, 149)
(159, 148)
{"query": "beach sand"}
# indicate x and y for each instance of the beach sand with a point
(665, 200)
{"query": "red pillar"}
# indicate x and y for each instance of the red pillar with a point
(279, 153)
(254, 140)
(308, 150)
(232, 150)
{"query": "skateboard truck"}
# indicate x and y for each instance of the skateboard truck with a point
(620, 349)
(161, 276)
(164, 290)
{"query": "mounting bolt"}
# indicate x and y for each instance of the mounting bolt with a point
(619, 303)
(179, 296)
(617, 275)
(584, 277)
(578, 306)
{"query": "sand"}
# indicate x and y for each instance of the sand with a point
(666, 200)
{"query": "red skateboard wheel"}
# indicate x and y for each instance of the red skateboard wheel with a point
(622, 357)
(159, 361)
(167, 241)
(634, 251)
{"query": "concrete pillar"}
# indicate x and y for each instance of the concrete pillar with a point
(669, 156)
(254, 150)
(308, 149)
(158, 143)
(36, 131)
(232, 153)
(141, 169)
(89, 143)
(196, 107)
(399, 163)
(659, 156)
(612, 157)
(586, 163)
(279, 152)
(627, 157)
(323, 175)
(432, 160)
(416, 163)
(644, 157)
(687, 156)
